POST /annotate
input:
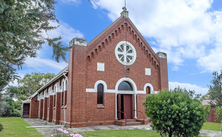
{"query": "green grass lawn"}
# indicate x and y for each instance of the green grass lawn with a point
(211, 126)
(16, 127)
(122, 133)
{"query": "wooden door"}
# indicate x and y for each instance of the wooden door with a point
(26, 109)
(127, 99)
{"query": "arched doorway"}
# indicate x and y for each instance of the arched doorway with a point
(124, 100)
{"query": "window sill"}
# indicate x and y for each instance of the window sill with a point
(100, 107)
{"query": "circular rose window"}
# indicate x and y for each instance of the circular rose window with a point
(125, 53)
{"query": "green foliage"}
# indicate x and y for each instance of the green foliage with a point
(27, 86)
(177, 112)
(1, 127)
(17, 105)
(10, 108)
(12, 91)
(218, 114)
(215, 90)
(23, 23)
(32, 82)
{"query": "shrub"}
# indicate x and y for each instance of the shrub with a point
(175, 112)
(218, 114)
(1, 127)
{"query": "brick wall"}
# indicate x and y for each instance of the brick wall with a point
(34, 106)
(41, 109)
(163, 74)
(50, 109)
(140, 99)
(45, 106)
(57, 108)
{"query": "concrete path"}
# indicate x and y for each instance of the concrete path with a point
(46, 132)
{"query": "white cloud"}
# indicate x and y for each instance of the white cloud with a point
(40, 63)
(15, 82)
(184, 29)
(198, 89)
(71, 1)
(65, 31)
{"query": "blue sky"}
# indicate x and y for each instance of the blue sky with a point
(189, 31)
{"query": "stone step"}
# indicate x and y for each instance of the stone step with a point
(133, 123)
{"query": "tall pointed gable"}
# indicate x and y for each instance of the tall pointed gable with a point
(122, 25)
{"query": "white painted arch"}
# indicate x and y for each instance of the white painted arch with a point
(126, 92)
(100, 82)
(148, 85)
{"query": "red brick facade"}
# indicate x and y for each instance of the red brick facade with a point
(76, 104)
(33, 111)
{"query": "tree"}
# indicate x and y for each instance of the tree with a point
(177, 112)
(30, 83)
(218, 114)
(215, 90)
(22, 24)
(12, 92)
(9, 107)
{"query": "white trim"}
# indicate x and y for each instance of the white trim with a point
(141, 92)
(102, 82)
(95, 87)
(126, 79)
(110, 91)
(125, 53)
(126, 92)
(55, 89)
(66, 84)
(50, 91)
(151, 88)
(100, 66)
(46, 95)
(63, 85)
(148, 71)
(90, 90)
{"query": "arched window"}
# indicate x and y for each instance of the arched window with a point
(100, 94)
(148, 90)
(125, 86)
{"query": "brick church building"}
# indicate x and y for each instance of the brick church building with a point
(106, 81)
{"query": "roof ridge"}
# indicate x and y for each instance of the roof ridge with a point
(105, 30)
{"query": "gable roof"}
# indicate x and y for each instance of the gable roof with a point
(115, 26)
